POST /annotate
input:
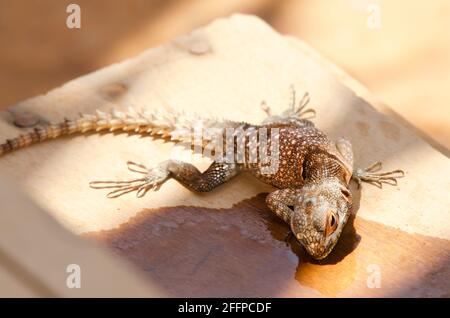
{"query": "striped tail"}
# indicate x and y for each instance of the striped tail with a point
(173, 125)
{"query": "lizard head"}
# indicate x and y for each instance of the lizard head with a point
(320, 214)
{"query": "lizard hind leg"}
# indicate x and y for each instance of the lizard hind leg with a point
(185, 173)
(152, 179)
(373, 176)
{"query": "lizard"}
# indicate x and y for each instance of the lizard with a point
(311, 178)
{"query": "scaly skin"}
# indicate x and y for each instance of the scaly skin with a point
(312, 175)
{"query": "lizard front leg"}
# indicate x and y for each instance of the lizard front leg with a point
(281, 202)
(189, 176)
(185, 173)
(371, 174)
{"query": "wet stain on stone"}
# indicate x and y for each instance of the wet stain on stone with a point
(242, 251)
(363, 128)
(389, 130)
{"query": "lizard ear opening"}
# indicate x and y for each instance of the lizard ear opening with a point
(331, 223)
(346, 194)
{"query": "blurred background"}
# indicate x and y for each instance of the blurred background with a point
(399, 49)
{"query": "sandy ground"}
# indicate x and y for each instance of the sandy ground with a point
(399, 49)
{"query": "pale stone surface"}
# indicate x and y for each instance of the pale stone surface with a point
(224, 69)
(39, 258)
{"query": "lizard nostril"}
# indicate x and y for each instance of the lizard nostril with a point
(346, 194)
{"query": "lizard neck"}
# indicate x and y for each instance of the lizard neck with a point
(320, 164)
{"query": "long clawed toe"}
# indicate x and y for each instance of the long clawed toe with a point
(152, 180)
(299, 109)
(266, 108)
(372, 176)
(295, 109)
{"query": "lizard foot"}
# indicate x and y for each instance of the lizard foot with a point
(295, 110)
(372, 176)
(299, 109)
(152, 180)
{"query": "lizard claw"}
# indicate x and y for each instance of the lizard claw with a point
(303, 112)
(266, 108)
(152, 180)
(299, 109)
(295, 110)
(372, 176)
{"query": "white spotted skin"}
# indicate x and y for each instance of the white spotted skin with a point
(309, 163)
(308, 221)
(294, 146)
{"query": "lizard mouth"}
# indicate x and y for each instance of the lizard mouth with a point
(321, 256)
(321, 251)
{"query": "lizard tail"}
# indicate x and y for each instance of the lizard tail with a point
(177, 126)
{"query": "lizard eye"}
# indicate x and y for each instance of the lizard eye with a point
(332, 223)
